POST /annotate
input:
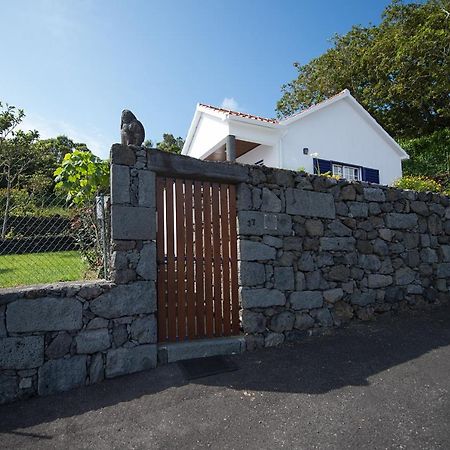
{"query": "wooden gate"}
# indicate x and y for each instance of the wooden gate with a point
(197, 259)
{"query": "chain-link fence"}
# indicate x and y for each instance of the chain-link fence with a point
(44, 240)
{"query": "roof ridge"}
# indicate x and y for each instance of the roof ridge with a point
(267, 119)
(345, 91)
(239, 114)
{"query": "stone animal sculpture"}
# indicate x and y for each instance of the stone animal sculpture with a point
(131, 130)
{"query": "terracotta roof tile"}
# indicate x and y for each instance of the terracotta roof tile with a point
(266, 119)
(239, 114)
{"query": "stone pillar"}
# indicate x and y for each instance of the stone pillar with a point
(133, 215)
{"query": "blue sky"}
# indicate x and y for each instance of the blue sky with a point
(73, 65)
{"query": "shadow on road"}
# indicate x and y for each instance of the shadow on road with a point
(349, 357)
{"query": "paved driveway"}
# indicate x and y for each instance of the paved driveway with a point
(378, 385)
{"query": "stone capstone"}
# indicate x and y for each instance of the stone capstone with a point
(59, 375)
(126, 300)
(19, 353)
(122, 361)
(44, 314)
(310, 204)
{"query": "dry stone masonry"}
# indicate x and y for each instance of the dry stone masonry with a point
(55, 338)
(316, 253)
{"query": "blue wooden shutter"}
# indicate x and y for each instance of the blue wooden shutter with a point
(371, 175)
(322, 165)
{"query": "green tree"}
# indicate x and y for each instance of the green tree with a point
(398, 70)
(170, 143)
(17, 155)
(429, 154)
(82, 176)
(59, 146)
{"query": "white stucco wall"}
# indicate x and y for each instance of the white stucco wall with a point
(338, 132)
(265, 152)
(210, 131)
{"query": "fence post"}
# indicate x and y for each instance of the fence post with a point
(101, 217)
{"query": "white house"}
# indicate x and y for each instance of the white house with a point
(337, 135)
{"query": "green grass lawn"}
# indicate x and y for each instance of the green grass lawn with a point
(37, 268)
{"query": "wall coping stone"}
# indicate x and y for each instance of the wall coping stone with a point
(61, 289)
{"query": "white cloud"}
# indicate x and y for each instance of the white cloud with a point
(231, 103)
(52, 128)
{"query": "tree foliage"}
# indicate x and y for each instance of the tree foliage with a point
(429, 154)
(17, 155)
(81, 176)
(398, 70)
(170, 143)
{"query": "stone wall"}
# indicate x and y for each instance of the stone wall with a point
(316, 253)
(58, 337)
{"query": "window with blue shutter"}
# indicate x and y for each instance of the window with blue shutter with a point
(344, 170)
(371, 175)
(321, 165)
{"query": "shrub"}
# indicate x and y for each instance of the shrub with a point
(418, 183)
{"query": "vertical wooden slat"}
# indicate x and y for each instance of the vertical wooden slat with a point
(171, 288)
(217, 261)
(209, 309)
(191, 332)
(181, 262)
(233, 254)
(199, 249)
(224, 219)
(161, 263)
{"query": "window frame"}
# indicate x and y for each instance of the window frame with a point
(344, 166)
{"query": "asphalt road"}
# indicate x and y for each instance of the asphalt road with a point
(378, 385)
